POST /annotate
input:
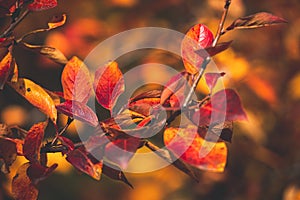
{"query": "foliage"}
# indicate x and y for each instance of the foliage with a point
(127, 130)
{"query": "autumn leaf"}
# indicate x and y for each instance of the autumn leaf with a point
(114, 172)
(121, 151)
(80, 161)
(67, 143)
(5, 69)
(217, 132)
(225, 105)
(76, 81)
(8, 152)
(190, 147)
(39, 5)
(255, 21)
(50, 52)
(212, 78)
(22, 187)
(37, 96)
(33, 142)
(108, 85)
(198, 37)
(37, 172)
(5, 6)
(213, 50)
(78, 111)
(57, 21)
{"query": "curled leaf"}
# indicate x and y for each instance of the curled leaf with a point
(50, 52)
(108, 85)
(78, 111)
(57, 21)
(33, 142)
(202, 154)
(255, 21)
(39, 5)
(198, 37)
(37, 96)
(76, 81)
(6, 67)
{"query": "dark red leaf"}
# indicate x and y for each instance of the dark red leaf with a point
(108, 85)
(121, 151)
(78, 111)
(212, 78)
(114, 172)
(255, 21)
(33, 142)
(190, 147)
(8, 152)
(37, 172)
(67, 143)
(81, 162)
(5, 6)
(198, 37)
(22, 186)
(217, 132)
(39, 5)
(224, 105)
(211, 51)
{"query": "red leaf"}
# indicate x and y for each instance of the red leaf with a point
(224, 105)
(81, 162)
(121, 151)
(108, 85)
(255, 21)
(8, 152)
(5, 6)
(212, 78)
(39, 5)
(211, 51)
(76, 81)
(22, 186)
(197, 152)
(33, 142)
(37, 172)
(78, 111)
(67, 143)
(198, 37)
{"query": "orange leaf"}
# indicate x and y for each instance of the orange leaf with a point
(5, 69)
(37, 96)
(57, 21)
(198, 37)
(33, 142)
(76, 81)
(190, 147)
(39, 5)
(108, 85)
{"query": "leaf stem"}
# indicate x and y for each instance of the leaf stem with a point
(13, 25)
(70, 120)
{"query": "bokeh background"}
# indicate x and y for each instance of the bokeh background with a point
(262, 65)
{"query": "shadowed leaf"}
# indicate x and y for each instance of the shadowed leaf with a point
(114, 172)
(108, 85)
(8, 152)
(37, 172)
(255, 21)
(76, 81)
(37, 96)
(78, 111)
(217, 131)
(33, 142)
(211, 51)
(198, 37)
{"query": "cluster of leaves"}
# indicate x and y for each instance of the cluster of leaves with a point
(211, 118)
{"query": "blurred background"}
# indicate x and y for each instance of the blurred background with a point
(262, 65)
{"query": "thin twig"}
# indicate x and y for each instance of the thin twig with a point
(70, 120)
(13, 25)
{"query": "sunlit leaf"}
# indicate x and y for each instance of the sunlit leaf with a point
(57, 21)
(50, 52)
(81, 162)
(22, 187)
(108, 85)
(33, 142)
(121, 151)
(8, 152)
(37, 96)
(76, 81)
(255, 21)
(78, 111)
(212, 78)
(198, 37)
(14, 75)
(114, 172)
(202, 154)
(211, 51)
(5, 69)
(39, 5)
(225, 105)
